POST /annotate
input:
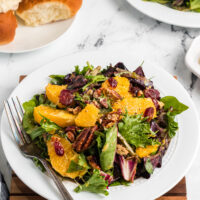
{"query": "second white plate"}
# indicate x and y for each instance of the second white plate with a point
(166, 14)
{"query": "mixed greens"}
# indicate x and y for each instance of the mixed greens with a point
(102, 128)
(183, 5)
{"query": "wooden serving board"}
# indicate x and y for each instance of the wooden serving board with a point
(19, 191)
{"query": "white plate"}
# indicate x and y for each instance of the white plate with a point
(32, 38)
(166, 14)
(176, 162)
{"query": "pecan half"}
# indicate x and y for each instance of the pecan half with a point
(93, 163)
(89, 92)
(70, 136)
(111, 118)
(112, 93)
(104, 102)
(97, 93)
(75, 111)
(84, 139)
(96, 104)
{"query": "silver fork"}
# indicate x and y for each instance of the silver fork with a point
(28, 148)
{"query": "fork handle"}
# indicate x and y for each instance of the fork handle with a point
(65, 194)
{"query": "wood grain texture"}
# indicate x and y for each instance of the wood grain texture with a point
(26, 198)
(19, 191)
(172, 198)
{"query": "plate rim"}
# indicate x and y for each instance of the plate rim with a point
(74, 18)
(131, 2)
(164, 71)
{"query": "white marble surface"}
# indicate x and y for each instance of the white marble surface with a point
(109, 25)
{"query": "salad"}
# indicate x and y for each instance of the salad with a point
(183, 5)
(102, 128)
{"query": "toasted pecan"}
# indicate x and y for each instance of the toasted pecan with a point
(70, 136)
(84, 139)
(112, 93)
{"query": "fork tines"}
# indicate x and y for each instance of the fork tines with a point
(15, 116)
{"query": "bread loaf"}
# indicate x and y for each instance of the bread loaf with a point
(8, 25)
(37, 12)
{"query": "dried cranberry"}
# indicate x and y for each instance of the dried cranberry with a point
(58, 148)
(66, 97)
(139, 71)
(149, 113)
(112, 82)
(152, 93)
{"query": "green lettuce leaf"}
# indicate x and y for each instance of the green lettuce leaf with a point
(95, 184)
(173, 102)
(84, 70)
(29, 125)
(160, 1)
(172, 125)
(78, 166)
(82, 161)
(107, 155)
(94, 79)
(36, 132)
(121, 181)
(195, 5)
(73, 167)
(148, 166)
(173, 107)
(28, 120)
(136, 131)
(57, 79)
(99, 144)
(38, 164)
(48, 125)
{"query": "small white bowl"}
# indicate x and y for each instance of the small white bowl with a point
(192, 58)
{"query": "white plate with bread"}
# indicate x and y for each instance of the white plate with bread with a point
(27, 25)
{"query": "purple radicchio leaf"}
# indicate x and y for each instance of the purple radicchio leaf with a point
(120, 65)
(107, 177)
(128, 168)
(139, 71)
(75, 82)
(160, 132)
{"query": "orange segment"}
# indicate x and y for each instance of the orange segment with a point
(134, 105)
(144, 152)
(122, 88)
(88, 116)
(61, 117)
(53, 92)
(62, 163)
